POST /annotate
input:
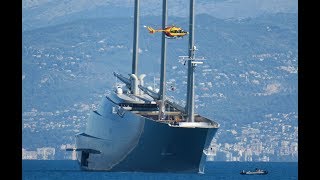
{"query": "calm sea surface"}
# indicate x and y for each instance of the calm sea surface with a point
(67, 169)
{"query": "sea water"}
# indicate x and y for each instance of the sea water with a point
(68, 169)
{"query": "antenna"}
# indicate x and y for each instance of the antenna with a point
(193, 59)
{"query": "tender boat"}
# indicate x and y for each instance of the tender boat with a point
(255, 172)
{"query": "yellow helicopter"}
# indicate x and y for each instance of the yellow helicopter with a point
(170, 31)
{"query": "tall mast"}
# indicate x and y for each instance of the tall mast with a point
(163, 53)
(190, 83)
(135, 39)
(162, 91)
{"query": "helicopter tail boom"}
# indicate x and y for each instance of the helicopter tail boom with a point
(151, 30)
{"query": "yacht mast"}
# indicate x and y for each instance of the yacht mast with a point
(135, 39)
(162, 91)
(134, 81)
(190, 83)
(163, 53)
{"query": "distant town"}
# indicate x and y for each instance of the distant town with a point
(273, 140)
